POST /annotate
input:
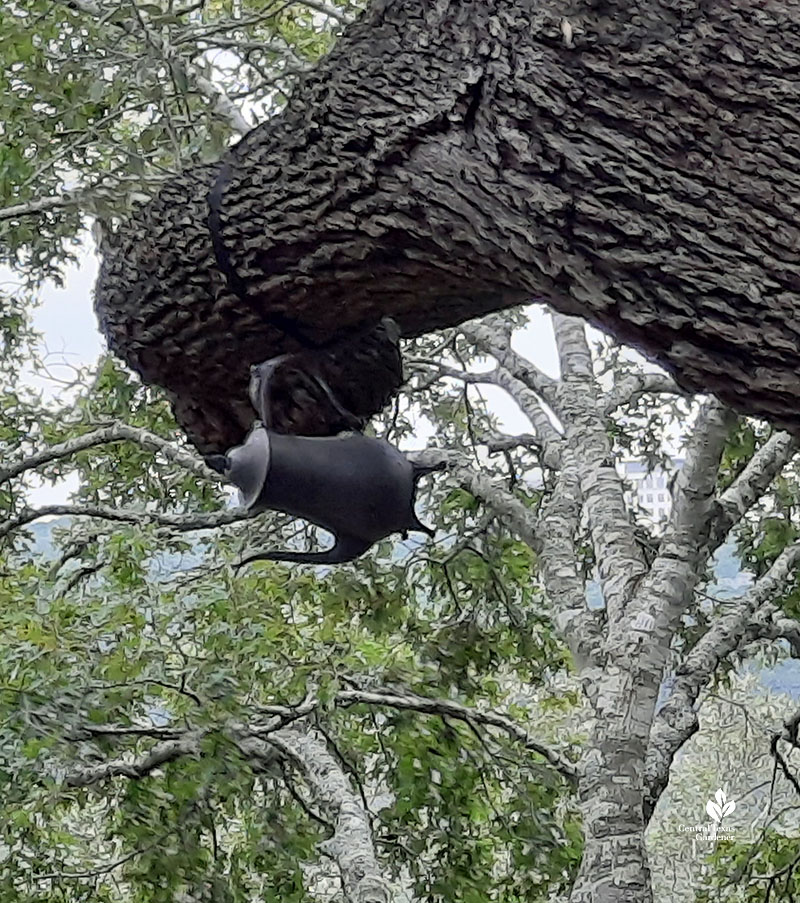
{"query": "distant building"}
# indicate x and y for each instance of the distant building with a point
(649, 489)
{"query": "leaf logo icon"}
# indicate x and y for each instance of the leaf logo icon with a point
(720, 806)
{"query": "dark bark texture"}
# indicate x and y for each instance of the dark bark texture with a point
(636, 163)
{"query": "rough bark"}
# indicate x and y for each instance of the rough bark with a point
(633, 163)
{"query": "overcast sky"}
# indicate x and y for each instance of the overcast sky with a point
(65, 316)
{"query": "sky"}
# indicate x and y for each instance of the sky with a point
(65, 316)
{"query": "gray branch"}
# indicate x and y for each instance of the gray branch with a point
(450, 709)
(352, 845)
(669, 587)
(752, 482)
(40, 205)
(498, 345)
(636, 384)
(180, 522)
(115, 432)
(508, 509)
(136, 768)
(678, 720)
(621, 564)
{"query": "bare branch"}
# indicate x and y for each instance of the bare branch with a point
(465, 376)
(221, 103)
(769, 623)
(529, 402)
(550, 439)
(115, 432)
(450, 709)
(120, 730)
(636, 384)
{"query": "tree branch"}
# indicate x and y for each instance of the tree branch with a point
(559, 520)
(222, 105)
(179, 522)
(751, 483)
(669, 586)
(678, 719)
(115, 432)
(41, 205)
(636, 384)
(352, 844)
(101, 870)
(493, 342)
(497, 442)
(549, 438)
(621, 563)
(770, 624)
(160, 754)
(517, 516)
(450, 709)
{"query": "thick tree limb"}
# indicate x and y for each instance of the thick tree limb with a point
(625, 691)
(620, 561)
(352, 844)
(559, 520)
(685, 547)
(446, 160)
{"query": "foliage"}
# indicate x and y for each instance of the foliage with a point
(101, 101)
(119, 640)
(135, 627)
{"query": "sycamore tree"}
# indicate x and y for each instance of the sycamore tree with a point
(446, 721)
(438, 721)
